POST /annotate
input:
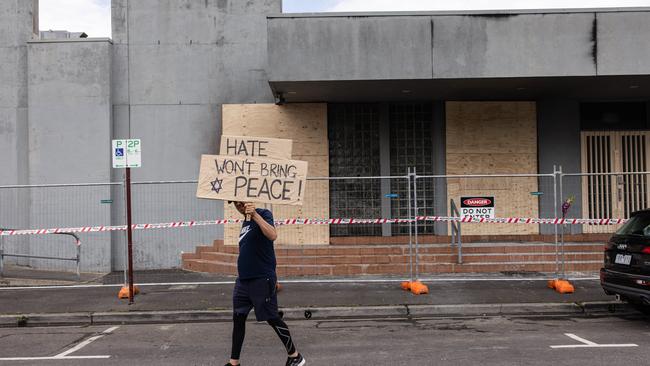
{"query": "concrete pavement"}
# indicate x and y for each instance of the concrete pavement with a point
(173, 296)
(511, 341)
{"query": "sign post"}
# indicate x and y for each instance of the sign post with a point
(127, 154)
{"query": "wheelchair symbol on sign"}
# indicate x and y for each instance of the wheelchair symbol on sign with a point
(119, 152)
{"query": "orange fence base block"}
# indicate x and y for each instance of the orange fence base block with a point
(418, 288)
(561, 286)
(406, 285)
(564, 287)
(124, 292)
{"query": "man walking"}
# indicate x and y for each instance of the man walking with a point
(256, 284)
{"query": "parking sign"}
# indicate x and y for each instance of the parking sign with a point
(126, 153)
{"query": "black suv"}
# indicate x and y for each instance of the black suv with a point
(627, 261)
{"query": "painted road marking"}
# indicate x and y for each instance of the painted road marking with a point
(183, 287)
(64, 355)
(590, 344)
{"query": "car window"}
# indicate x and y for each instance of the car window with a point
(637, 225)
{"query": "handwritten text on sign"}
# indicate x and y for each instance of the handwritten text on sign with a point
(263, 147)
(235, 178)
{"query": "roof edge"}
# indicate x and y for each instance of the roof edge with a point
(71, 40)
(462, 12)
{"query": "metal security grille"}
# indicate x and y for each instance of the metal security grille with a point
(634, 159)
(353, 132)
(411, 146)
(598, 159)
(614, 195)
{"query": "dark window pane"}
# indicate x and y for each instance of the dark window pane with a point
(353, 131)
(411, 146)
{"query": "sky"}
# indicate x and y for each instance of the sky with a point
(94, 16)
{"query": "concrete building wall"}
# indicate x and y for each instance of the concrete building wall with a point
(69, 138)
(558, 142)
(18, 23)
(350, 48)
(623, 45)
(441, 46)
(513, 45)
(174, 64)
(17, 19)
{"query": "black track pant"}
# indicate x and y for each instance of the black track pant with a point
(239, 332)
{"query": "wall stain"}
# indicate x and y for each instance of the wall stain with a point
(594, 41)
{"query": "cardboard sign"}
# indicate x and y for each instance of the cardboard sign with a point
(261, 147)
(247, 179)
(477, 207)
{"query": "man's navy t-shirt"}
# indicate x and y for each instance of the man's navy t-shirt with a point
(256, 254)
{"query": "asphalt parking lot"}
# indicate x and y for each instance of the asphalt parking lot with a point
(612, 340)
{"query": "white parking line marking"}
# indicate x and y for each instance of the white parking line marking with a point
(52, 358)
(183, 287)
(573, 336)
(64, 355)
(85, 343)
(590, 344)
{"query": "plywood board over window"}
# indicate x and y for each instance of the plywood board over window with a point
(306, 125)
(494, 138)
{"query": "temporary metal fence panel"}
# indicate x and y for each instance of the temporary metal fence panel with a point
(355, 197)
(167, 201)
(373, 197)
(368, 197)
(513, 195)
(56, 205)
(75, 241)
(610, 195)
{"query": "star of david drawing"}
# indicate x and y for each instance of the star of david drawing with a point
(216, 185)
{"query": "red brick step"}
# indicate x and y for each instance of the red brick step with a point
(354, 260)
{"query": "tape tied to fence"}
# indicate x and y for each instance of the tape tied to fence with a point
(332, 221)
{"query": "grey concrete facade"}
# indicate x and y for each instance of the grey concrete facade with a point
(70, 121)
(558, 141)
(17, 20)
(174, 64)
(453, 45)
(349, 48)
(163, 78)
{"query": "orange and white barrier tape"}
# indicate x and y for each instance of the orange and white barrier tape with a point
(334, 221)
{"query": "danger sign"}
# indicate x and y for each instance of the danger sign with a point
(477, 207)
